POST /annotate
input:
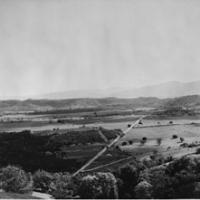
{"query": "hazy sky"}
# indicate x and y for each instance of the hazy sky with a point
(60, 45)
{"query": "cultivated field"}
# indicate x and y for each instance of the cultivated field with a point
(61, 126)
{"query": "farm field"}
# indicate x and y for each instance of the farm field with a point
(146, 122)
(62, 126)
(46, 124)
(168, 147)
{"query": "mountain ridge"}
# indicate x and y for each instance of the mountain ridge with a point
(191, 101)
(170, 89)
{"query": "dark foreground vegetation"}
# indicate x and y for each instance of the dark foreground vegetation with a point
(148, 179)
(46, 160)
(53, 151)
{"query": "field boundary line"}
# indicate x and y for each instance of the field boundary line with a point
(106, 165)
(102, 136)
(108, 146)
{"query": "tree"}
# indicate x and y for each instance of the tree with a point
(42, 180)
(143, 190)
(181, 139)
(130, 142)
(198, 151)
(174, 136)
(62, 187)
(124, 143)
(98, 186)
(14, 179)
(128, 179)
(157, 177)
(143, 141)
(183, 174)
(159, 141)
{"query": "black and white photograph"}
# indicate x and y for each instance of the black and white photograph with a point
(99, 99)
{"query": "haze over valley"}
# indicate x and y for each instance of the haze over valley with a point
(164, 90)
(99, 99)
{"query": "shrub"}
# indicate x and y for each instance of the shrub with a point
(130, 142)
(183, 173)
(143, 141)
(143, 190)
(128, 179)
(174, 136)
(181, 139)
(14, 179)
(42, 180)
(197, 190)
(129, 125)
(191, 145)
(62, 187)
(198, 151)
(124, 143)
(144, 138)
(159, 180)
(168, 159)
(128, 174)
(184, 145)
(159, 141)
(98, 186)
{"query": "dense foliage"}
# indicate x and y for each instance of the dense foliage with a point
(51, 152)
(98, 186)
(14, 179)
(62, 186)
(42, 181)
(177, 179)
(156, 177)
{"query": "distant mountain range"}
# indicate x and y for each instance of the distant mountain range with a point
(162, 95)
(164, 90)
(192, 101)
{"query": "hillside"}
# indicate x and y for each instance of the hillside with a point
(192, 101)
(164, 90)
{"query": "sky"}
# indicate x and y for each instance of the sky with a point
(60, 45)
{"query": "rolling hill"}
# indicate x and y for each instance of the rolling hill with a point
(165, 90)
(192, 101)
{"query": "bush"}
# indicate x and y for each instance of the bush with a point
(168, 159)
(98, 186)
(14, 179)
(159, 180)
(62, 187)
(124, 143)
(174, 136)
(143, 141)
(184, 145)
(181, 139)
(127, 180)
(198, 151)
(144, 138)
(42, 181)
(143, 190)
(159, 141)
(130, 142)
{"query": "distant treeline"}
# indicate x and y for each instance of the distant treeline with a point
(90, 103)
(174, 112)
(65, 111)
